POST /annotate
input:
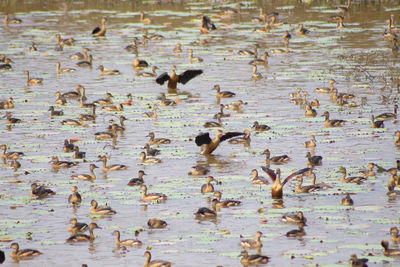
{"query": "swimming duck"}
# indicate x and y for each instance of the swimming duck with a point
(310, 112)
(177, 49)
(104, 101)
(143, 19)
(68, 147)
(234, 106)
(137, 181)
(101, 210)
(81, 56)
(281, 51)
(155, 223)
(206, 25)
(347, 201)
(83, 237)
(79, 92)
(152, 196)
(300, 189)
(387, 251)
(276, 159)
(211, 124)
(126, 242)
(297, 217)
(104, 71)
(32, 80)
(149, 74)
(256, 179)
(332, 123)
(313, 160)
(277, 187)
(208, 187)
(61, 164)
(112, 133)
(174, 79)
(256, 75)
(117, 127)
(11, 20)
(376, 124)
(117, 107)
(245, 139)
(89, 117)
(72, 122)
(345, 9)
(15, 164)
(297, 232)
(24, 253)
(155, 263)
(397, 139)
(356, 262)
(369, 171)
(193, 59)
(326, 90)
(138, 63)
(250, 53)
(40, 191)
(11, 120)
(355, 179)
(86, 177)
(226, 203)
(10, 154)
(7, 104)
(221, 112)
(152, 37)
(260, 127)
(223, 94)
(60, 99)
(144, 159)
(77, 226)
(260, 61)
(301, 30)
(255, 259)
(199, 170)
(151, 151)
(100, 31)
(62, 42)
(206, 213)
(166, 102)
(208, 145)
(151, 114)
(6, 65)
(252, 243)
(394, 233)
(320, 186)
(388, 115)
(311, 143)
(260, 17)
(114, 167)
(75, 197)
(273, 22)
(228, 10)
(78, 154)
(86, 63)
(157, 141)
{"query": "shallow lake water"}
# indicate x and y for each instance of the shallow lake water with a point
(357, 57)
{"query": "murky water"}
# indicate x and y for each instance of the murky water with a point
(333, 232)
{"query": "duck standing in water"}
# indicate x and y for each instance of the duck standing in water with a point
(100, 31)
(174, 79)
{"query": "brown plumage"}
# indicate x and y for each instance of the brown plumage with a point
(174, 79)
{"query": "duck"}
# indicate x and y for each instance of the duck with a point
(256, 179)
(326, 90)
(86, 177)
(10, 154)
(222, 113)
(397, 138)
(250, 53)
(177, 49)
(376, 124)
(133, 46)
(152, 196)
(388, 115)
(369, 171)
(206, 213)
(347, 201)
(114, 167)
(155, 263)
(255, 259)
(313, 160)
(60, 100)
(345, 9)
(81, 56)
(145, 159)
(297, 217)
(40, 191)
(320, 186)
(281, 51)
(387, 251)
(112, 133)
(226, 203)
(149, 74)
(15, 164)
(260, 17)
(62, 42)
(143, 19)
(61, 164)
(68, 147)
(252, 243)
(394, 233)
(208, 187)
(212, 124)
(72, 122)
(152, 37)
(310, 112)
(79, 92)
(151, 114)
(118, 128)
(32, 80)
(139, 63)
(157, 141)
(100, 210)
(24, 253)
(100, 31)
(339, 19)
(332, 123)
(312, 143)
(256, 75)
(245, 139)
(223, 94)
(301, 30)
(126, 242)
(88, 117)
(137, 181)
(300, 189)
(174, 79)
(75, 197)
(11, 20)
(83, 237)
(355, 179)
(155, 223)
(297, 232)
(260, 61)
(86, 63)
(151, 151)
(77, 226)
(276, 159)
(277, 186)
(356, 262)
(78, 154)
(104, 71)
(199, 170)
(10, 119)
(260, 127)
(117, 107)
(104, 101)
(7, 104)
(273, 22)
(207, 25)
(208, 145)
(166, 102)
(6, 65)
(193, 59)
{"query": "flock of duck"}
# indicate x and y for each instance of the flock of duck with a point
(206, 143)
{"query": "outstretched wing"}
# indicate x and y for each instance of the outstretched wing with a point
(228, 135)
(96, 30)
(270, 173)
(162, 78)
(188, 75)
(208, 24)
(299, 172)
(203, 138)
